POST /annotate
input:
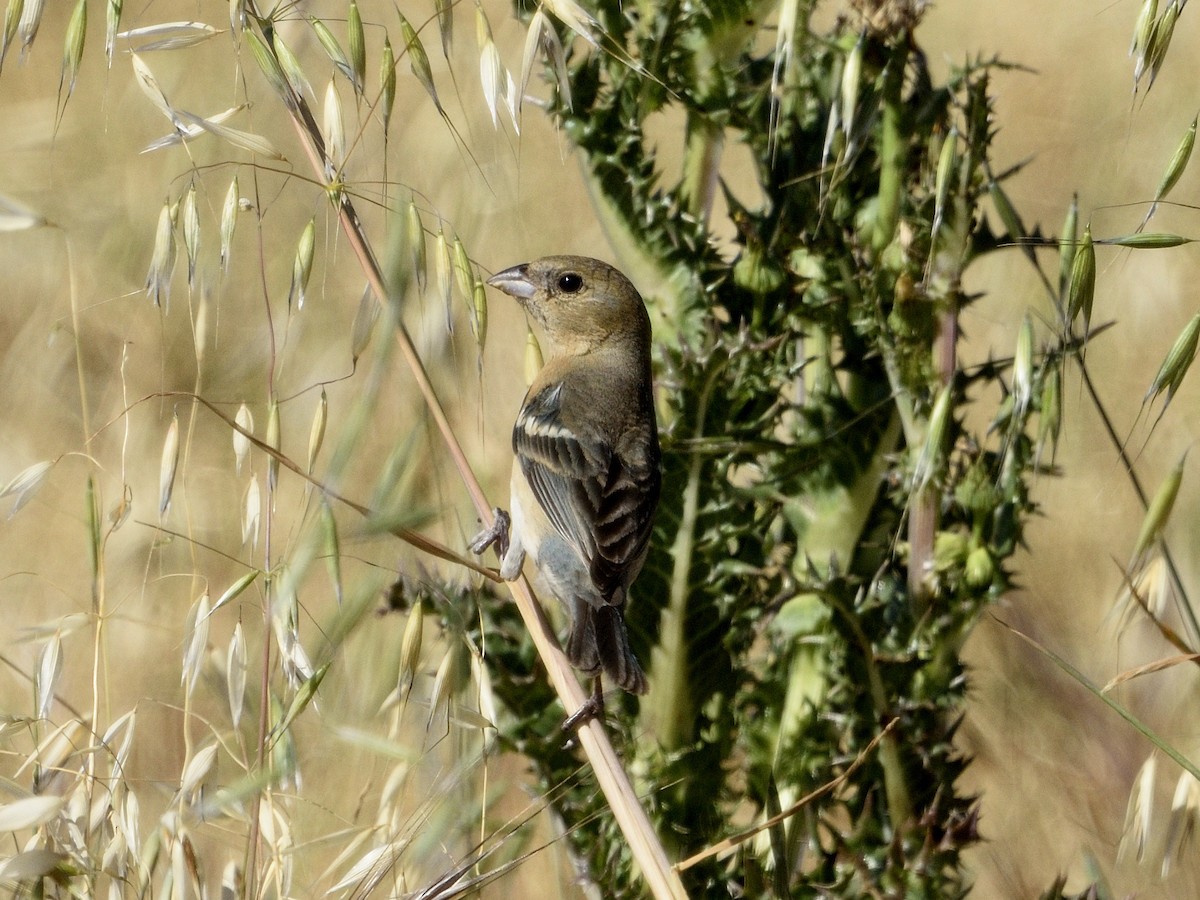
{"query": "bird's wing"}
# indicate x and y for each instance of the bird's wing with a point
(600, 502)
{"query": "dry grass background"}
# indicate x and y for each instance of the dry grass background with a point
(1054, 767)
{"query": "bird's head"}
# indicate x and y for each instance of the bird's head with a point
(582, 304)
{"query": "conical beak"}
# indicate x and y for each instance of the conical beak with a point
(514, 282)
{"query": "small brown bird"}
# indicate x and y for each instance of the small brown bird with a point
(586, 478)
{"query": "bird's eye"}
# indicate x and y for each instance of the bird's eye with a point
(570, 283)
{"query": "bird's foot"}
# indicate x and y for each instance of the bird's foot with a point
(496, 533)
(592, 708)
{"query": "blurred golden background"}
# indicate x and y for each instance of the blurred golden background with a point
(1054, 766)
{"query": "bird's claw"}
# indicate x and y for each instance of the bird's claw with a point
(592, 708)
(496, 533)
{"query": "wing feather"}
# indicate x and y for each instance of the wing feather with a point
(600, 502)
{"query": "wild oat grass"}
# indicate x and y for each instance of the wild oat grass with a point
(239, 656)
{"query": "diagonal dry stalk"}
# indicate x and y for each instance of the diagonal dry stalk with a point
(662, 880)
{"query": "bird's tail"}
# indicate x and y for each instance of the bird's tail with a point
(599, 641)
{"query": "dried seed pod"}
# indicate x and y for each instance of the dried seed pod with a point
(358, 45)
(491, 69)
(577, 19)
(1177, 363)
(464, 275)
(1148, 240)
(480, 319)
(272, 441)
(935, 437)
(251, 513)
(112, 24)
(1157, 514)
(1140, 811)
(235, 590)
(200, 326)
(445, 17)
(387, 84)
(1011, 219)
(415, 235)
(534, 40)
(1142, 28)
(12, 20)
(316, 433)
(333, 49)
(196, 768)
(452, 675)
(73, 48)
(1022, 380)
(191, 231)
(162, 260)
(195, 639)
(364, 324)
(302, 266)
(235, 674)
(268, 64)
(333, 549)
(290, 66)
(944, 178)
(444, 266)
(1066, 244)
(1050, 411)
(305, 695)
(1160, 40)
(1185, 808)
(26, 483)
(410, 645)
(31, 20)
(45, 682)
(119, 514)
(1175, 168)
(1081, 291)
(418, 61)
(335, 132)
(241, 443)
(54, 750)
(168, 466)
(229, 215)
(851, 80)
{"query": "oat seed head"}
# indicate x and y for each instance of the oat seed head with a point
(235, 674)
(1177, 363)
(272, 440)
(387, 84)
(445, 17)
(335, 131)
(1181, 826)
(1140, 811)
(329, 43)
(1157, 515)
(1067, 243)
(1081, 292)
(290, 66)
(418, 61)
(169, 465)
(251, 513)
(302, 265)
(357, 41)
